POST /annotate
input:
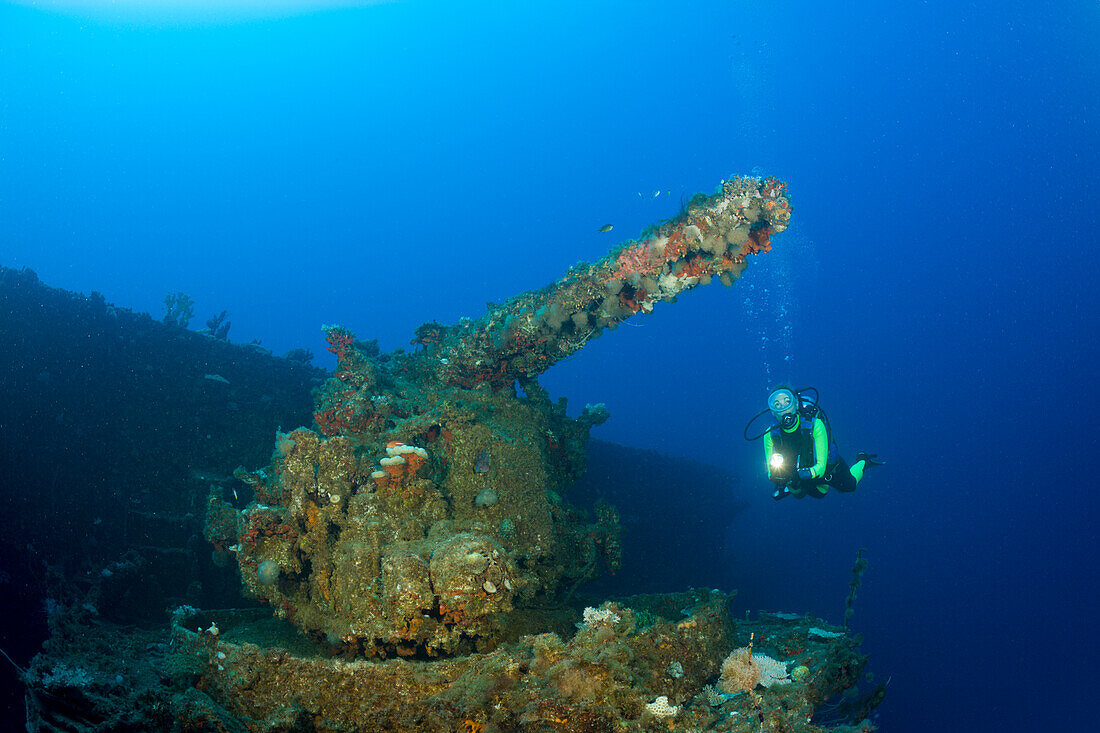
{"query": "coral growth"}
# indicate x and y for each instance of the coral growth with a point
(179, 309)
(742, 671)
(218, 326)
(739, 672)
(760, 240)
(660, 708)
(339, 340)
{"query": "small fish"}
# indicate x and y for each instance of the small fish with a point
(606, 228)
(657, 193)
(481, 463)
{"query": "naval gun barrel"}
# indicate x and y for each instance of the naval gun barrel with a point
(711, 237)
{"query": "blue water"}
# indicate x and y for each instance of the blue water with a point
(386, 165)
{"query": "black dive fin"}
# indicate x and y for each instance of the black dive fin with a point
(869, 459)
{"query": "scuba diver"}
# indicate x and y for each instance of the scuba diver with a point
(801, 455)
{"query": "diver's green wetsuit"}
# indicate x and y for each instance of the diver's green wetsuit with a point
(787, 450)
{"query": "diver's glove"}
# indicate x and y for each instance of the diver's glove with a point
(782, 491)
(868, 459)
(805, 474)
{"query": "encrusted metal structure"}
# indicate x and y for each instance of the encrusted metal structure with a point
(424, 510)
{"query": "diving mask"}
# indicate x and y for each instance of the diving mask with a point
(783, 404)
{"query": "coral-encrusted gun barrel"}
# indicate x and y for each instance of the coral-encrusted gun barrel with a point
(525, 336)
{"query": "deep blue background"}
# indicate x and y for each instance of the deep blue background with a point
(387, 165)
